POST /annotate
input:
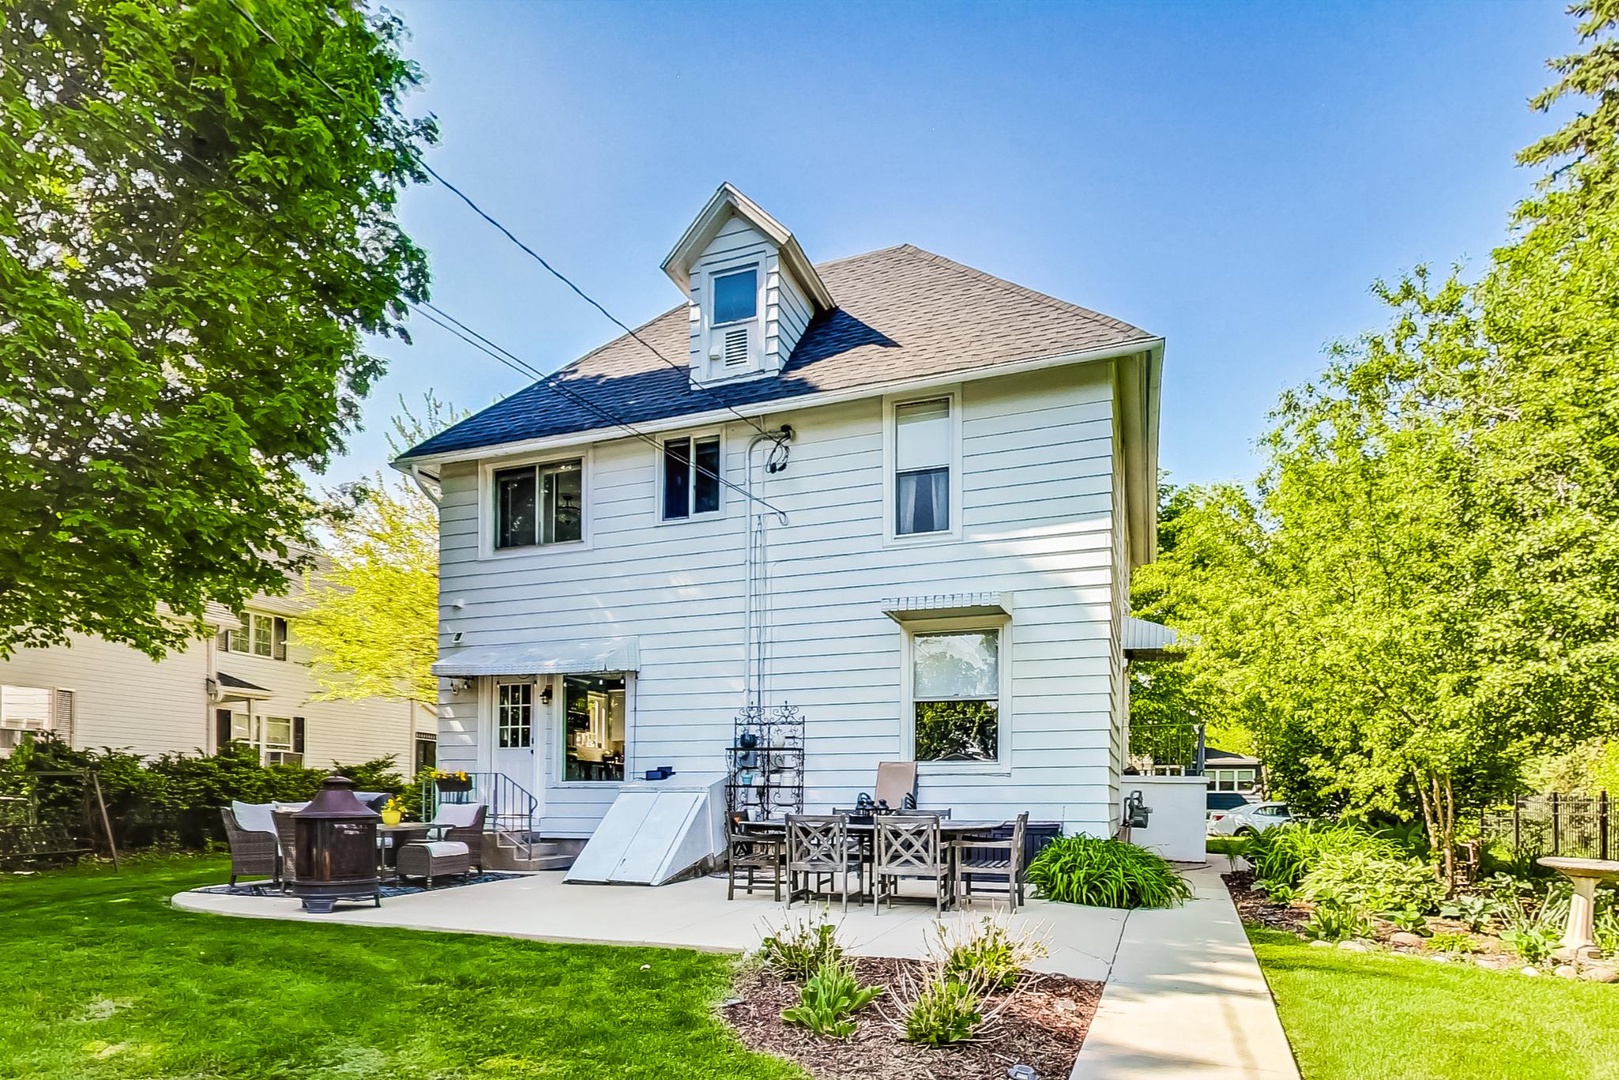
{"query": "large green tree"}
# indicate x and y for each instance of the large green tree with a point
(196, 232)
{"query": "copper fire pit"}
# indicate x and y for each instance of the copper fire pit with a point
(335, 848)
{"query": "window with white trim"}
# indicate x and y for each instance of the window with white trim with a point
(956, 695)
(259, 635)
(736, 296)
(514, 715)
(539, 504)
(36, 710)
(924, 440)
(691, 477)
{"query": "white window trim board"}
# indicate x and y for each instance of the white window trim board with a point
(1002, 766)
(947, 536)
(488, 467)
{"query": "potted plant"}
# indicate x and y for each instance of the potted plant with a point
(393, 811)
(452, 781)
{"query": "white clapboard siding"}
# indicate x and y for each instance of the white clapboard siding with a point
(1040, 522)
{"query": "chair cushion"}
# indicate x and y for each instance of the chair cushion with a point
(254, 817)
(457, 815)
(443, 849)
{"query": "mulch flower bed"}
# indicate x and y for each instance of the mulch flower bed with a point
(1255, 907)
(1042, 1024)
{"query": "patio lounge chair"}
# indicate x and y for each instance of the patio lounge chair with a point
(459, 823)
(252, 851)
(994, 859)
(819, 848)
(896, 784)
(749, 853)
(434, 858)
(910, 846)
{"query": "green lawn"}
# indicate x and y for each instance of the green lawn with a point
(1353, 1016)
(99, 977)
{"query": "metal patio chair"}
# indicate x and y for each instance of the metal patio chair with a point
(820, 848)
(910, 846)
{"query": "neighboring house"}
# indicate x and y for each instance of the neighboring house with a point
(965, 473)
(247, 681)
(1230, 772)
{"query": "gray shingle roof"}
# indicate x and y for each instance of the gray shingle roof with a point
(903, 314)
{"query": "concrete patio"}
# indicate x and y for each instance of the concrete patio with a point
(1184, 998)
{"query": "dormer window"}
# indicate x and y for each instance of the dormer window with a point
(736, 296)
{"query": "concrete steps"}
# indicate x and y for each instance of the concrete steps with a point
(501, 852)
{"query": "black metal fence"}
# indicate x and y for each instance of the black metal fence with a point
(1554, 824)
(1167, 746)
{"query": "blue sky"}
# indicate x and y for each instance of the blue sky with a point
(1231, 177)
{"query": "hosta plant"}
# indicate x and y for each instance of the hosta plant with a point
(828, 1001)
(1336, 922)
(1105, 873)
(1475, 911)
(1408, 919)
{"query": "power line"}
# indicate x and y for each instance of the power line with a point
(504, 231)
(434, 314)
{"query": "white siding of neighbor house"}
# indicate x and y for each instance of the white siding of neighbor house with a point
(126, 700)
(1037, 518)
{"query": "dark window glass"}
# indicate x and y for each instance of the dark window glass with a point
(957, 730)
(922, 501)
(515, 508)
(595, 729)
(705, 484)
(563, 492)
(676, 479)
(736, 296)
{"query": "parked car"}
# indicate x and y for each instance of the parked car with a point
(1247, 820)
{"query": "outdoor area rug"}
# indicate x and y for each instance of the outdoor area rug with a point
(264, 888)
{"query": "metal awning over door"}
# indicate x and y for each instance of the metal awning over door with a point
(589, 657)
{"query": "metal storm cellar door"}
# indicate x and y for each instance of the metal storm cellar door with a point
(335, 848)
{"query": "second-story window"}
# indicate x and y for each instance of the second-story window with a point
(691, 477)
(736, 296)
(260, 635)
(923, 434)
(539, 504)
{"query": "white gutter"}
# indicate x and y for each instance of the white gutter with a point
(762, 409)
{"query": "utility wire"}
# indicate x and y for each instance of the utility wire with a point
(434, 314)
(504, 231)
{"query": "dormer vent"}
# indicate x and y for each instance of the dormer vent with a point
(752, 291)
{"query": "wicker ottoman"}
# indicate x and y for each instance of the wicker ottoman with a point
(437, 858)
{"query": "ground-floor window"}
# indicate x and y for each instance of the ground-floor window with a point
(594, 729)
(426, 752)
(956, 695)
(33, 709)
(1232, 779)
(279, 740)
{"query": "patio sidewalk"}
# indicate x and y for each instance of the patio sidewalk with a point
(1185, 999)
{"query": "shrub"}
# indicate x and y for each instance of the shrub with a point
(1453, 942)
(1371, 880)
(944, 1012)
(801, 948)
(1282, 856)
(1336, 922)
(988, 956)
(1105, 873)
(829, 999)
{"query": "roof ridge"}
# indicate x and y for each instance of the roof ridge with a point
(1034, 294)
(866, 255)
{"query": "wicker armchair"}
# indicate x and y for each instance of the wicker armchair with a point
(285, 832)
(461, 823)
(251, 852)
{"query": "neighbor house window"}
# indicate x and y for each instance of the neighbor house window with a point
(36, 710)
(736, 296)
(284, 740)
(691, 477)
(956, 695)
(514, 716)
(426, 751)
(923, 438)
(260, 635)
(539, 504)
(1231, 779)
(594, 730)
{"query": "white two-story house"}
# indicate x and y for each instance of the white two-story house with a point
(895, 492)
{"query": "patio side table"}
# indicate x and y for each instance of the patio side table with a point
(390, 838)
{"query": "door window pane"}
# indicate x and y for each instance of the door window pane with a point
(736, 296)
(514, 715)
(514, 508)
(594, 730)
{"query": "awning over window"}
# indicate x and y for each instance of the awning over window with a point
(948, 606)
(230, 688)
(1145, 640)
(596, 657)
